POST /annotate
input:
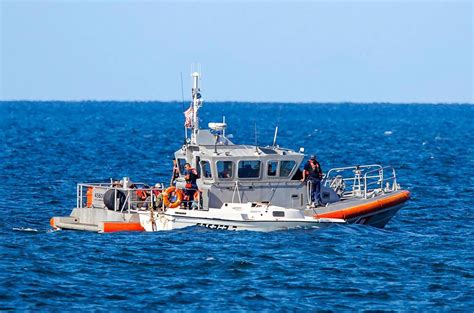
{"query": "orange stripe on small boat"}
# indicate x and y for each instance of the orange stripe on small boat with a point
(111, 227)
(367, 208)
(52, 223)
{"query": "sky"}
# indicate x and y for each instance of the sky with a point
(319, 51)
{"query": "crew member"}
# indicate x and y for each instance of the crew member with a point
(307, 166)
(313, 172)
(191, 176)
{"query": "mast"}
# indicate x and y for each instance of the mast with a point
(197, 103)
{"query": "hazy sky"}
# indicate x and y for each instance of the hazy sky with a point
(390, 51)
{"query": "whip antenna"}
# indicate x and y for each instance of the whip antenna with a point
(256, 137)
(182, 91)
(182, 102)
(275, 136)
(276, 128)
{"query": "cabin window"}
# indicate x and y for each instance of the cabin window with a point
(181, 163)
(286, 167)
(249, 169)
(206, 169)
(225, 169)
(272, 168)
(198, 168)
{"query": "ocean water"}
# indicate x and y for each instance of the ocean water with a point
(422, 261)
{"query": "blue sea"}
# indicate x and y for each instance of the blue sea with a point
(422, 261)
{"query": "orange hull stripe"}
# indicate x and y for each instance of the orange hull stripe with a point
(111, 227)
(52, 223)
(367, 208)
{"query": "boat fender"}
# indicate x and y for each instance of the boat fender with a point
(90, 195)
(170, 193)
(110, 198)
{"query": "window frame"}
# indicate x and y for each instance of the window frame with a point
(276, 170)
(181, 169)
(232, 170)
(203, 176)
(197, 160)
(290, 172)
(250, 160)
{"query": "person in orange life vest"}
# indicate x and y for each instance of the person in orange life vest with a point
(190, 176)
(314, 173)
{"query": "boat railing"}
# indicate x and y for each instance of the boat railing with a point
(362, 181)
(136, 198)
(382, 179)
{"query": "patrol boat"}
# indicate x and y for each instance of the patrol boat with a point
(239, 187)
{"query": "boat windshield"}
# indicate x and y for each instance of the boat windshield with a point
(206, 169)
(225, 169)
(181, 163)
(249, 169)
(286, 167)
(272, 168)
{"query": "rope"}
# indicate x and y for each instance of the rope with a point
(152, 217)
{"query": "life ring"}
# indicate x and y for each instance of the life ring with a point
(170, 193)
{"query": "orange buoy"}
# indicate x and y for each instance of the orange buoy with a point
(172, 192)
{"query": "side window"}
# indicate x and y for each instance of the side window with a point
(225, 169)
(206, 169)
(249, 169)
(286, 167)
(198, 168)
(181, 163)
(272, 168)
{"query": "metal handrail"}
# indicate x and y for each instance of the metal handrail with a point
(309, 188)
(382, 179)
(365, 180)
(360, 167)
(131, 203)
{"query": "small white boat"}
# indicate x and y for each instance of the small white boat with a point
(239, 187)
(235, 216)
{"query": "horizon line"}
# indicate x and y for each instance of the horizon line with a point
(240, 102)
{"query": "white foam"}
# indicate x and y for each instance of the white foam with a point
(25, 229)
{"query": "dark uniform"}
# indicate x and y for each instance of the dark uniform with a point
(190, 175)
(314, 175)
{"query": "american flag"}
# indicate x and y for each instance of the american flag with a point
(188, 115)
